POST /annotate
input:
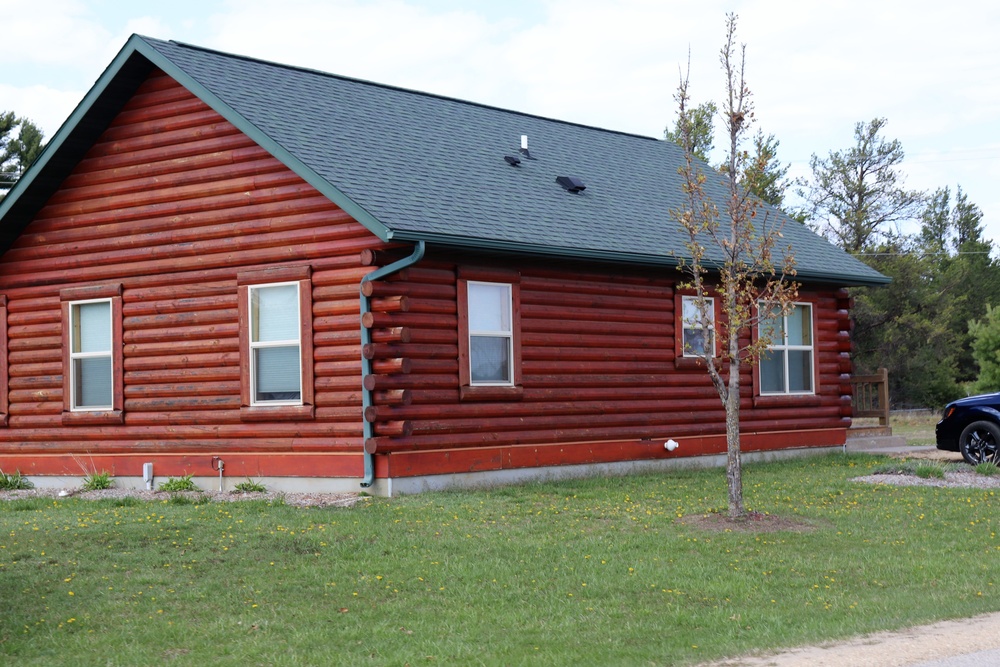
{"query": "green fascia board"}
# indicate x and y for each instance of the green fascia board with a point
(507, 247)
(266, 142)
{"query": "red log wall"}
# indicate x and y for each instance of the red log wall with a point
(171, 202)
(598, 367)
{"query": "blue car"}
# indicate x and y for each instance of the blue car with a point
(972, 426)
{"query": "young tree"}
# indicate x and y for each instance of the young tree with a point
(740, 249)
(857, 193)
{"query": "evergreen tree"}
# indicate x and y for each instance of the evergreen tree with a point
(17, 151)
(702, 129)
(856, 194)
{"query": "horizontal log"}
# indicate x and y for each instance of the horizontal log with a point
(391, 366)
(350, 441)
(28, 370)
(391, 335)
(385, 382)
(547, 311)
(374, 257)
(416, 290)
(393, 429)
(183, 361)
(411, 350)
(225, 143)
(35, 330)
(96, 271)
(36, 395)
(391, 304)
(36, 408)
(598, 285)
(47, 355)
(662, 340)
(349, 353)
(424, 274)
(351, 368)
(485, 438)
(346, 291)
(192, 294)
(393, 397)
(347, 275)
(568, 300)
(182, 403)
(180, 319)
(433, 366)
(414, 320)
(348, 322)
(166, 375)
(351, 382)
(182, 347)
(137, 229)
(47, 316)
(36, 382)
(631, 330)
(329, 308)
(142, 189)
(203, 332)
(558, 355)
(182, 389)
(220, 128)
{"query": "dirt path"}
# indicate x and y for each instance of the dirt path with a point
(912, 646)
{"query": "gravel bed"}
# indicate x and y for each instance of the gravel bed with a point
(294, 499)
(962, 479)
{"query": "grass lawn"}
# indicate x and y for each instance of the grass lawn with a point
(595, 572)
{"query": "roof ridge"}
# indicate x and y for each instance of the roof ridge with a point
(401, 89)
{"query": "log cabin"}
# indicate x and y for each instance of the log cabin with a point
(333, 284)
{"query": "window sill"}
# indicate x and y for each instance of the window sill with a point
(277, 413)
(795, 400)
(477, 393)
(93, 417)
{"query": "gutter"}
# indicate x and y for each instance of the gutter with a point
(366, 364)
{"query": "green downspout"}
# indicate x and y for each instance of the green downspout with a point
(366, 338)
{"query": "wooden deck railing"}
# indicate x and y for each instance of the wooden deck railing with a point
(870, 397)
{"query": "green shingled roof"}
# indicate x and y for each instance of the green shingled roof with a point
(413, 166)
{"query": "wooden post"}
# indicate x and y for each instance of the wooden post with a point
(883, 397)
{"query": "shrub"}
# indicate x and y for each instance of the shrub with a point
(179, 484)
(928, 470)
(249, 486)
(98, 481)
(14, 482)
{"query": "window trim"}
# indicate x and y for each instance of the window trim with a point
(304, 408)
(115, 413)
(785, 348)
(468, 391)
(683, 361)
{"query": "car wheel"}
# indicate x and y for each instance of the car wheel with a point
(980, 443)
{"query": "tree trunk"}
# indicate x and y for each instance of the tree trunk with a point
(734, 467)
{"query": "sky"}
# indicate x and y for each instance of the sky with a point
(815, 69)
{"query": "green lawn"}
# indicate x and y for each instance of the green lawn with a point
(596, 572)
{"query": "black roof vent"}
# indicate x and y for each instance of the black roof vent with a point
(512, 160)
(571, 183)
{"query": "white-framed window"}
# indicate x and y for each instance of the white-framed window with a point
(787, 366)
(695, 338)
(491, 334)
(91, 362)
(275, 344)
